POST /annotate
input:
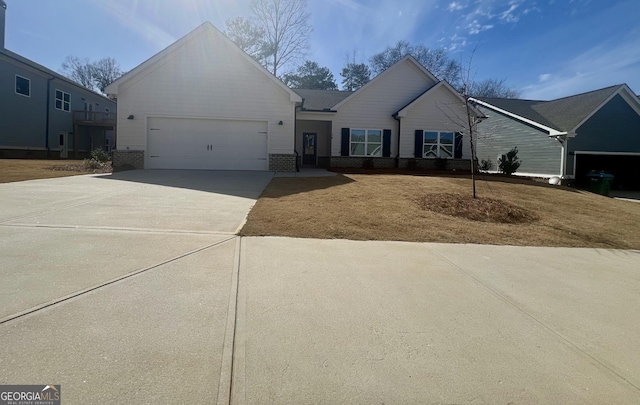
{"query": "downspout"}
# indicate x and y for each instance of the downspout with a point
(46, 130)
(295, 134)
(395, 116)
(563, 139)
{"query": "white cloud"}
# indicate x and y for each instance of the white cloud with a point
(455, 6)
(475, 27)
(544, 77)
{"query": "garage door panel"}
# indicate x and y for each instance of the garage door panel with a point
(176, 143)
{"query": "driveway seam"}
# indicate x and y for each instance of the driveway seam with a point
(513, 304)
(52, 210)
(84, 291)
(117, 229)
(228, 346)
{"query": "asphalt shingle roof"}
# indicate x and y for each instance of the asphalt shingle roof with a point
(319, 100)
(563, 114)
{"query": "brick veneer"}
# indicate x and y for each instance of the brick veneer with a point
(365, 162)
(282, 162)
(452, 164)
(127, 160)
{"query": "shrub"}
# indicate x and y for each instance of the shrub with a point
(100, 155)
(509, 163)
(486, 165)
(93, 164)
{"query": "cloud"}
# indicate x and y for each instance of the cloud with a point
(475, 27)
(597, 67)
(455, 6)
(544, 77)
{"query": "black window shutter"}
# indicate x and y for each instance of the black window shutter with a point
(457, 148)
(344, 146)
(419, 143)
(386, 143)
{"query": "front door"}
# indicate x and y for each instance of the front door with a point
(309, 148)
(62, 142)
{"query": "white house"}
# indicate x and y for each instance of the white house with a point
(202, 103)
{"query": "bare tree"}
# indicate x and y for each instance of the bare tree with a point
(104, 72)
(435, 60)
(95, 76)
(286, 30)
(492, 88)
(248, 36)
(78, 70)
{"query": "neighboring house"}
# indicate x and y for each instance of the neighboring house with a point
(202, 103)
(44, 114)
(567, 137)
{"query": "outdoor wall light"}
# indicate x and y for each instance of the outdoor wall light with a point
(280, 123)
(130, 117)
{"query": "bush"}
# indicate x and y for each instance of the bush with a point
(99, 155)
(93, 164)
(486, 165)
(509, 163)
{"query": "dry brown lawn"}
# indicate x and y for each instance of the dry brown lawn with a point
(388, 207)
(30, 169)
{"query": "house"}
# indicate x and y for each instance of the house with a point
(202, 103)
(44, 114)
(568, 137)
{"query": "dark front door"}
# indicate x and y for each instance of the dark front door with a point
(309, 148)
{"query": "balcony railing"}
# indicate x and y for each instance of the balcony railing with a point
(94, 118)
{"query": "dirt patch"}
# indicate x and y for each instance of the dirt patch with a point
(481, 209)
(31, 169)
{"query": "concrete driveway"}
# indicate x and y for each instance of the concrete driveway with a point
(133, 288)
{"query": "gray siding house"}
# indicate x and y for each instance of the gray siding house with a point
(568, 137)
(44, 114)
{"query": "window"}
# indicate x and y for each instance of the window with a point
(438, 144)
(63, 101)
(23, 86)
(107, 110)
(107, 145)
(366, 142)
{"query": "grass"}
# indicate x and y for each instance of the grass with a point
(404, 208)
(30, 169)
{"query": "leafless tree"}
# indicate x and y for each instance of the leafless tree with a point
(94, 76)
(248, 36)
(286, 30)
(492, 88)
(78, 70)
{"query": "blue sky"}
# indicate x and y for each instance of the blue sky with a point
(546, 48)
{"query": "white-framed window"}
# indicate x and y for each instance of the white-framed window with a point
(438, 144)
(23, 86)
(63, 100)
(366, 142)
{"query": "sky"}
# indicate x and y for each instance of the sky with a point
(545, 48)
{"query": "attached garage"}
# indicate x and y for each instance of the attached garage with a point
(623, 166)
(207, 144)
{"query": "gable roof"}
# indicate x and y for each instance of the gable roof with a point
(47, 71)
(321, 100)
(564, 114)
(199, 33)
(408, 58)
(403, 111)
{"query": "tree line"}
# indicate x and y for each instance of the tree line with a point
(276, 35)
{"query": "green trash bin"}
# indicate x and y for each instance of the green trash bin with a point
(600, 183)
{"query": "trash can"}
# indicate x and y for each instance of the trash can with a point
(600, 183)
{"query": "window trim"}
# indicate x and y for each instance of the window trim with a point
(438, 145)
(15, 88)
(62, 100)
(366, 141)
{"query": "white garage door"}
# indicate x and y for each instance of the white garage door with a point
(181, 143)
